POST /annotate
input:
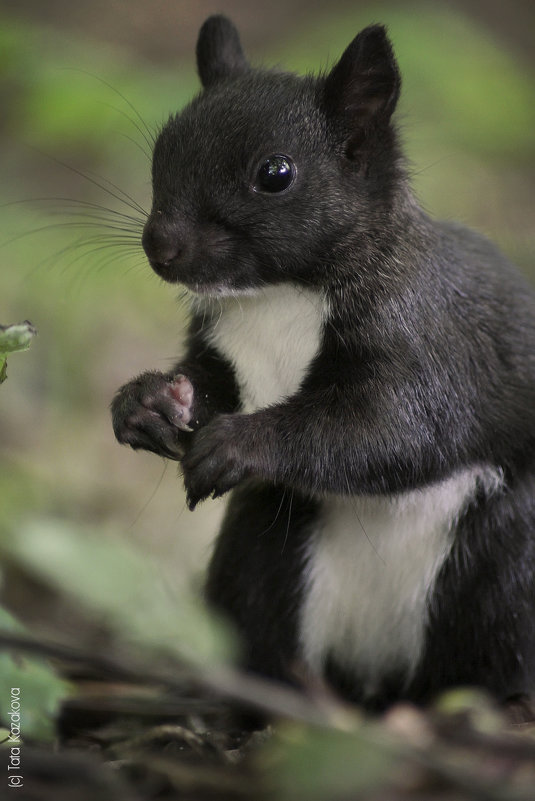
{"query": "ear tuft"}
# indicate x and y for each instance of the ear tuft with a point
(364, 85)
(219, 51)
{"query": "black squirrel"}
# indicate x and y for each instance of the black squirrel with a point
(362, 377)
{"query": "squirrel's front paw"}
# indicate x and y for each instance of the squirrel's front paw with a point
(153, 412)
(216, 461)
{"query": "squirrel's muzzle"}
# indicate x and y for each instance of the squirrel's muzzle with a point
(165, 243)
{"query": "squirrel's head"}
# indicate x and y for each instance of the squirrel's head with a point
(263, 174)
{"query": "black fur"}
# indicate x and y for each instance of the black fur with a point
(426, 365)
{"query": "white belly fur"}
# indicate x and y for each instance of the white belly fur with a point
(270, 338)
(372, 562)
(371, 567)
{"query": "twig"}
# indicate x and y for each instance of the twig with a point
(230, 683)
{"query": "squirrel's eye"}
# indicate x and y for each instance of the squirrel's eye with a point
(275, 174)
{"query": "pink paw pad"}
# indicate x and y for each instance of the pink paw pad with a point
(181, 390)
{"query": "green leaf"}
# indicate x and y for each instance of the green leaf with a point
(16, 337)
(126, 589)
(473, 706)
(13, 338)
(322, 764)
(29, 688)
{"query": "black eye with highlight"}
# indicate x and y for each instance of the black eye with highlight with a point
(275, 174)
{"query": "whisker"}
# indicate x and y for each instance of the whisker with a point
(98, 181)
(97, 207)
(147, 134)
(147, 154)
(152, 495)
(359, 521)
(75, 207)
(123, 113)
(262, 533)
(59, 225)
(88, 247)
(221, 310)
(288, 523)
(139, 264)
(131, 202)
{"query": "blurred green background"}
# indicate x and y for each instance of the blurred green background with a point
(83, 88)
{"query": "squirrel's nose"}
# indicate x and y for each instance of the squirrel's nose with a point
(163, 241)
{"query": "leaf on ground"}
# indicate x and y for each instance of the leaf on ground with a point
(124, 588)
(34, 687)
(474, 707)
(320, 764)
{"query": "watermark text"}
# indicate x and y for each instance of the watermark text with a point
(14, 764)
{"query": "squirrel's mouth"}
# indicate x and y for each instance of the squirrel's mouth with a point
(218, 290)
(208, 290)
(210, 287)
(165, 270)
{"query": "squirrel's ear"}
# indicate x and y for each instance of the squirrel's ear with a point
(219, 51)
(363, 87)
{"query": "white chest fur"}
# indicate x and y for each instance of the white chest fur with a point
(270, 338)
(371, 567)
